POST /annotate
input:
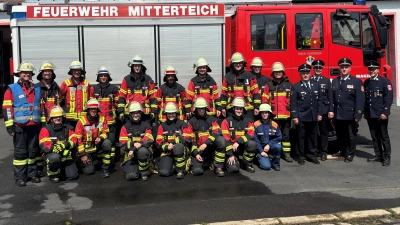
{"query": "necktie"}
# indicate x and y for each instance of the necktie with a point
(341, 81)
(308, 86)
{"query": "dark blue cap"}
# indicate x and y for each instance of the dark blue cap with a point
(372, 63)
(318, 64)
(304, 67)
(345, 62)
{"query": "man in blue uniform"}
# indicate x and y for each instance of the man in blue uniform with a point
(379, 98)
(348, 102)
(305, 111)
(325, 88)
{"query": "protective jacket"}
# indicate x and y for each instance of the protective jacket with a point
(135, 132)
(107, 95)
(207, 89)
(176, 131)
(277, 94)
(76, 95)
(49, 136)
(176, 94)
(237, 129)
(50, 97)
(87, 131)
(267, 133)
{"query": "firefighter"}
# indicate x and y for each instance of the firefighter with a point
(379, 98)
(58, 141)
(75, 90)
(262, 80)
(305, 110)
(174, 136)
(21, 110)
(326, 97)
(268, 138)
(348, 100)
(136, 140)
(107, 94)
(204, 86)
(239, 83)
(137, 86)
(171, 91)
(50, 96)
(277, 94)
(208, 142)
(238, 132)
(93, 145)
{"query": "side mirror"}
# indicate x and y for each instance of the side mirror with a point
(383, 36)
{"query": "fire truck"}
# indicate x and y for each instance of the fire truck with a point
(166, 33)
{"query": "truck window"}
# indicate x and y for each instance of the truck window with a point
(368, 40)
(309, 31)
(346, 30)
(268, 32)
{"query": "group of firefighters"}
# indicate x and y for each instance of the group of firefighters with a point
(74, 127)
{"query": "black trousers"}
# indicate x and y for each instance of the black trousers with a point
(380, 136)
(307, 140)
(346, 132)
(323, 133)
(214, 153)
(284, 126)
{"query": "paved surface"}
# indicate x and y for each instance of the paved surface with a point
(331, 187)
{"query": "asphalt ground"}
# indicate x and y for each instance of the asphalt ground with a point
(331, 187)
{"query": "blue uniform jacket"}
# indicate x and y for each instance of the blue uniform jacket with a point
(378, 97)
(348, 98)
(305, 104)
(266, 134)
(325, 88)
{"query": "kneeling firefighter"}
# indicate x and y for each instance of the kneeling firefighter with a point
(92, 131)
(208, 142)
(136, 140)
(174, 136)
(58, 141)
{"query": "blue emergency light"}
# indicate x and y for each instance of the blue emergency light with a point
(359, 2)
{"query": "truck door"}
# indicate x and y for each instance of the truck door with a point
(268, 38)
(309, 31)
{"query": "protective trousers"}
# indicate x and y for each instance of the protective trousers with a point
(284, 126)
(216, 150)
(139, 164)
(112, 137)
(102, 154)
(26, 150)
(248, 149)
(177, 159)
(56, 165)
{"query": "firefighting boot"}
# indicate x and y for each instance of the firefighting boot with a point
(248, 168)
(54, 179)
(153, 167)
(145, 177)
(286, 157)
(105, 173)
(35, 179)
(20, 183)
(180, 175)
(219, 172)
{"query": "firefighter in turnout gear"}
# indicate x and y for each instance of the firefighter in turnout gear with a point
(92, 132)
(171, 91)
(326, 98)
(174, 136)
(378, 100)
(204, 86)
(21, 110)
(262, 80)
(58, 143)
(277, 94)
(238, 132)
(137, 87)
(136, 140)
(75, 90)
(50, 96)
(107, 95)
(207, 140)
(239, 83)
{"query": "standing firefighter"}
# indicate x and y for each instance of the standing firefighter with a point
(239, 83)
(136, 140)
(92, 131)
(238, 132)
(21, 110)
(171, 91)
(173, 139)
(277, 94)
(208, 142)
(137, 87)
(204, 86)
(50, 96)
(107, 95)
(76, 93)
(58, 141)
(379, 98)
(262, 80)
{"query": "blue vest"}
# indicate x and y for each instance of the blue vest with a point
(22, 112)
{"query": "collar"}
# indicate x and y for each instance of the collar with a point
(305, 83)
(375, 78)
(317, 77)
(346, 78)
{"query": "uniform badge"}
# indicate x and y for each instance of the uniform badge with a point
(350, 86)
(359, 111)
(310, 59)
(389, 87)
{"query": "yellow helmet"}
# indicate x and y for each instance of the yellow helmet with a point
(46, 65)
(238, 102)
(92, 104)
(135, 106)
(237, 57)
(26, 67)
(265, 108)
(201, 62)
(257, 62)
(57, 111)
(200, 103)
(170, 107)
(136, 60)
(277, 66)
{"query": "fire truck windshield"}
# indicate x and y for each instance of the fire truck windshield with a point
(346, 30)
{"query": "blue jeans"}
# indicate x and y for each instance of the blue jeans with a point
(274, 153)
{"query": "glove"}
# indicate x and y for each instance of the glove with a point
(122, 116)
(67, 154)
(57, 148)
